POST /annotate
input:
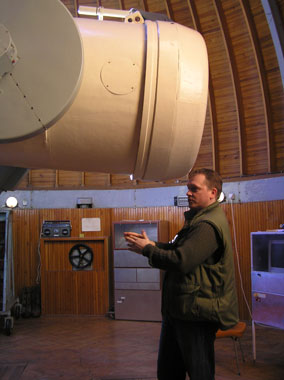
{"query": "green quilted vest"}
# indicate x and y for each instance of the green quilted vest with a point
(208, 293)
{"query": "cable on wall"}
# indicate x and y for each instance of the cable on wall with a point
(238, 258)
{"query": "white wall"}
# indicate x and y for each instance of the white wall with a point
(244, 191)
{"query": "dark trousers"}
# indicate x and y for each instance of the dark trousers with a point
(186, 347)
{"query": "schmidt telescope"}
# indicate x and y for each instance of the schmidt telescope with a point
(126, 97)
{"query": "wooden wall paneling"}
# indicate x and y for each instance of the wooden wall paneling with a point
(83, 179)
(249, 217)
(24, 182)
(105, 221)
(43, 179)
(274, 215)
(97, 180)
(26, 239)
(120, 180)
(263, 84)
(75, 216)
(69, 179)
(56, 179)
(241, 250)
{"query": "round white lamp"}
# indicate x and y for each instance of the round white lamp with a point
(11, 202)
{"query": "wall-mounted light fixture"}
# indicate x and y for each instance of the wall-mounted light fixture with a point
(11, 202)
(222, 198)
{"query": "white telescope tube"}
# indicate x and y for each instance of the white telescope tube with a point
(140, 108)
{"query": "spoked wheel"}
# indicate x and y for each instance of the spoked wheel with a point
(81, 256)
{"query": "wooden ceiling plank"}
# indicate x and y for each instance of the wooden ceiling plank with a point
(83, 179)
(235, 84)
(145, 4)
(76, 7)
(263, 84)
(56, 178)
(121, 4)
(29, 178)
(169, 9)
(211, 99)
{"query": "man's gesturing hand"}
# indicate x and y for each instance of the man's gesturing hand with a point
(136, 242)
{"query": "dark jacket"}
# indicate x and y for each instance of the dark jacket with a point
(204, 292)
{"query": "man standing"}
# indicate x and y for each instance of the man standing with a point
(199, 293)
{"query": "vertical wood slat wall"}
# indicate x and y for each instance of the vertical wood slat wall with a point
(248, 217)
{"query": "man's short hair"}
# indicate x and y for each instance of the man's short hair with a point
(213, 179)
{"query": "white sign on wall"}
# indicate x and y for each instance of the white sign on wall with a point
(91, 224)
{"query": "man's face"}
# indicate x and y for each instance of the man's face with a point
(199, 195)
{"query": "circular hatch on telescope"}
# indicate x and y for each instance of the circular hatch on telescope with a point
(40, 66)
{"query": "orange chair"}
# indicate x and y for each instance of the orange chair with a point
(235, 333)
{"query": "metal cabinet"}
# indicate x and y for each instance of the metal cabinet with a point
(137, 286)
(267, 278)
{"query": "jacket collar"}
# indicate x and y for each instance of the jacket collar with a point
(192, 214)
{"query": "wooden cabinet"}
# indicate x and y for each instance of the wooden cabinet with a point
(65, 289)
(137, 286)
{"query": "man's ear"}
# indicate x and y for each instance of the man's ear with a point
(214, 192)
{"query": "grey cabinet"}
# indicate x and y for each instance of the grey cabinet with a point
(267, 278)
(137, 286)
